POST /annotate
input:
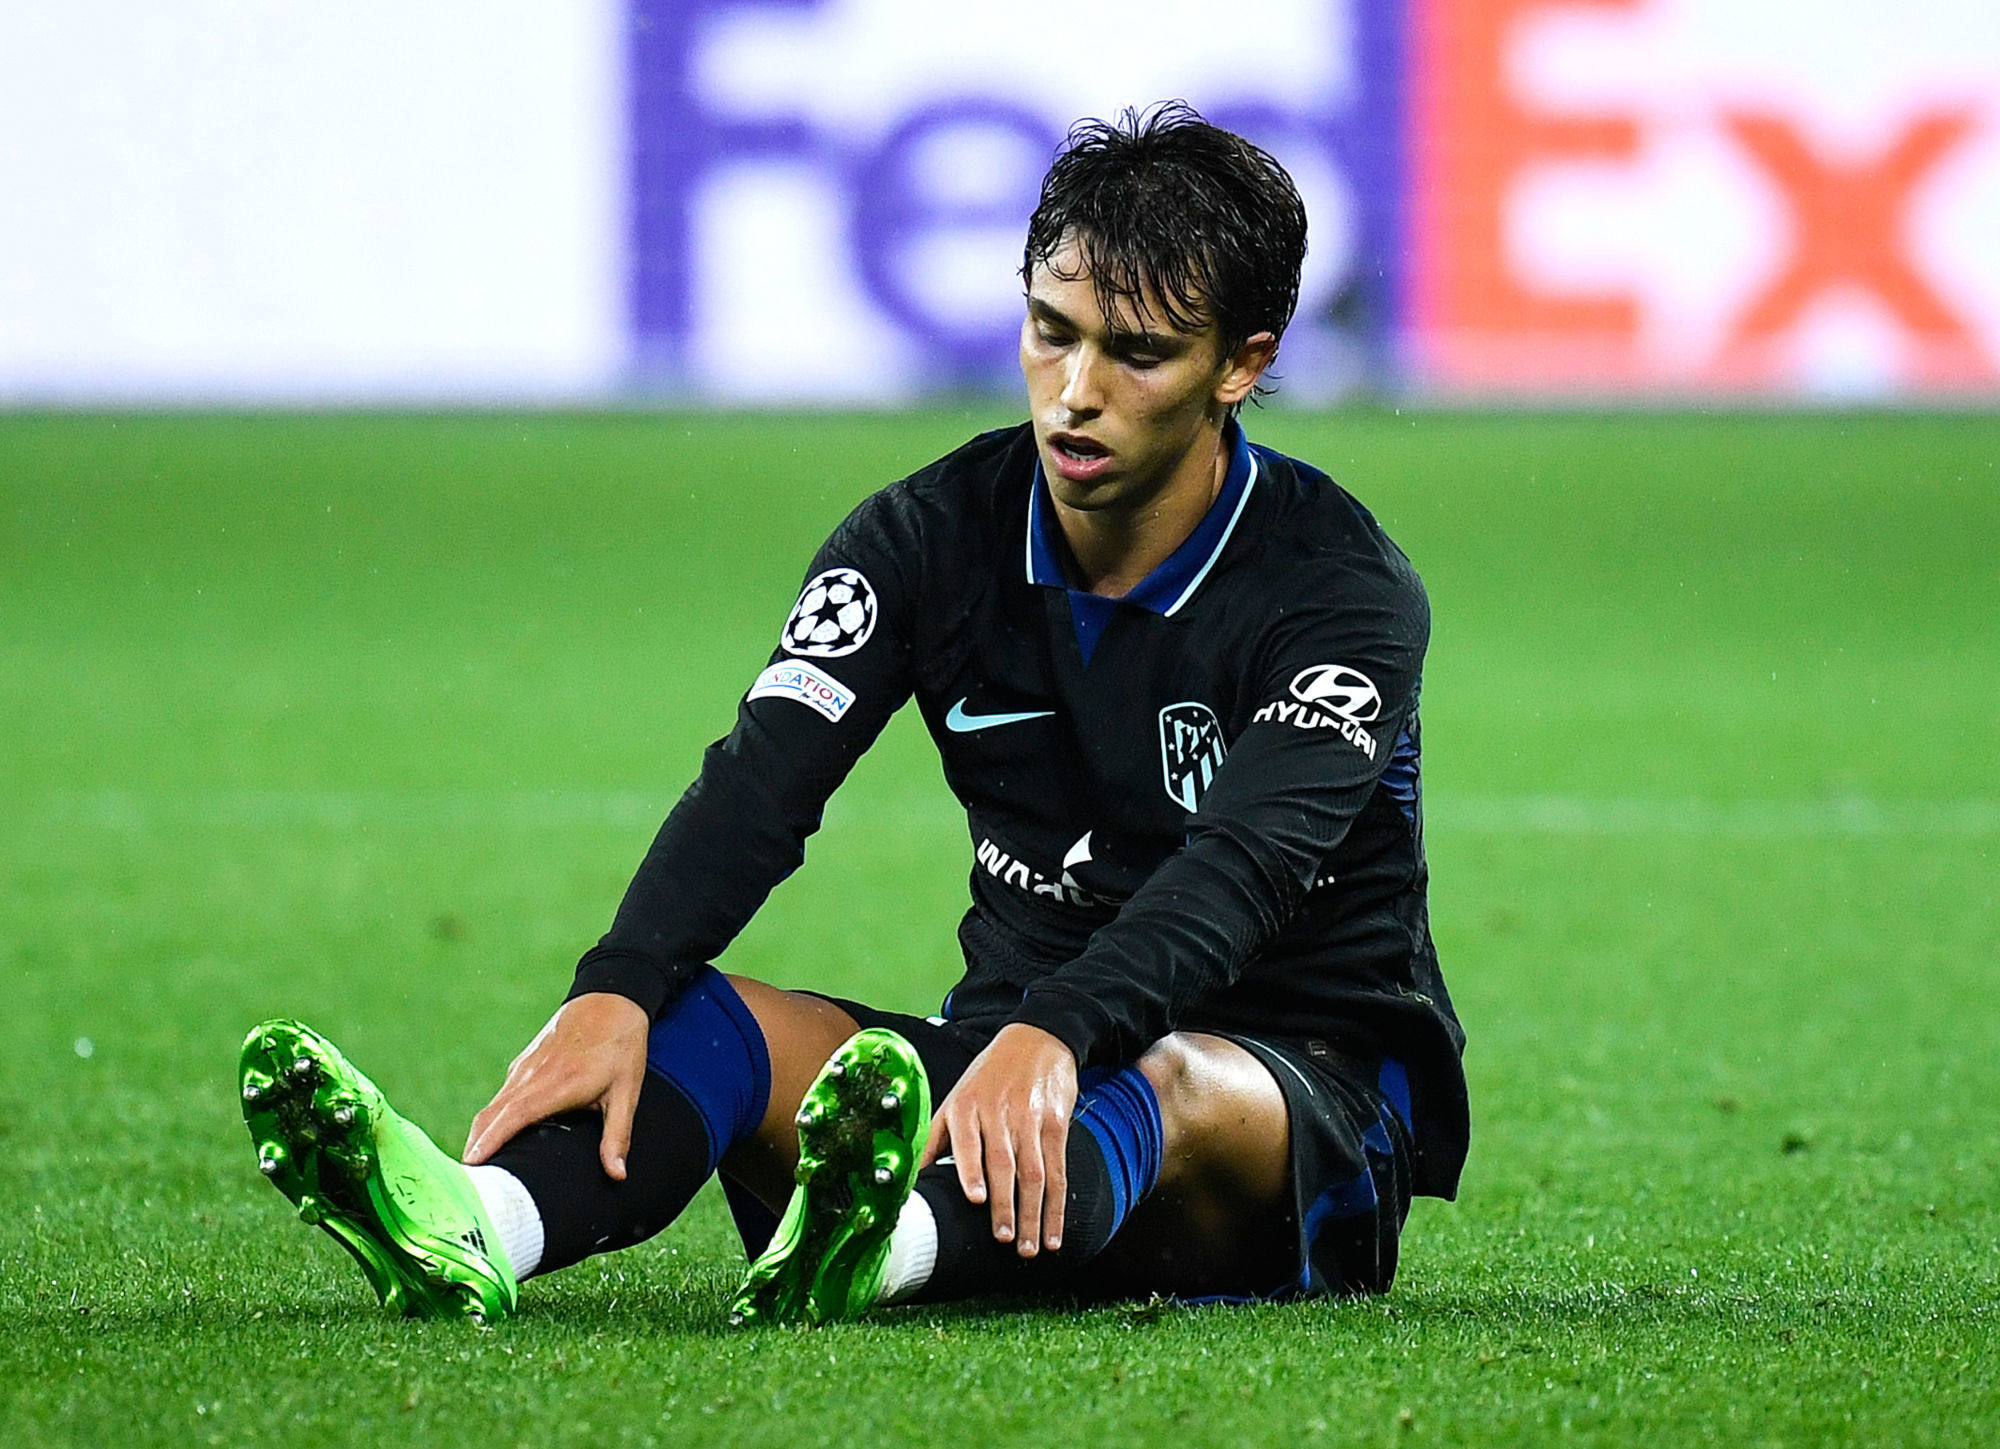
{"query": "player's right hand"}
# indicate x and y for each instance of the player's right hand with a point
(592, 1053)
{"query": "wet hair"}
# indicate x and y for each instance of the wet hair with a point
(1160, 197)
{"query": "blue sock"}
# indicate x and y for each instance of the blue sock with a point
(707, 1085)
(711, 1048)
(1113, 1160)
(1122, 1114)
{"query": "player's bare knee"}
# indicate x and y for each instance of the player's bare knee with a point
(1173, 1068)
(800, 1033)
(1166, 1066)
(1222, 1115)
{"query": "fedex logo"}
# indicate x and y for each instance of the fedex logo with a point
(1708, 195)
(828, 197)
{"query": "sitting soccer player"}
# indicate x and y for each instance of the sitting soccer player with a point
(1201, 1046)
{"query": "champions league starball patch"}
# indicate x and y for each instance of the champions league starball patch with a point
(834, 615)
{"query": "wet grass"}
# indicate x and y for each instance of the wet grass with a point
(367, 719)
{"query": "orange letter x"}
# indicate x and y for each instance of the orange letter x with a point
(1848, 229)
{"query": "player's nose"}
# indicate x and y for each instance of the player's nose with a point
(1082, 393)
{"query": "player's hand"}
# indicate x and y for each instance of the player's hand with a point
(592, 1053)
(1007, 1126)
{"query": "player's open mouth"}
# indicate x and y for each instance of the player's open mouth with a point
(1078, 458)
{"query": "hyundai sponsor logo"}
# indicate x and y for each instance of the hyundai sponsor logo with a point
(1340, 690)
(1329, 697)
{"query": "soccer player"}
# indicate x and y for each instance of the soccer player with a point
(1201, 1046)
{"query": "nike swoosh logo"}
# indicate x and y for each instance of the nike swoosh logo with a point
(961, 723)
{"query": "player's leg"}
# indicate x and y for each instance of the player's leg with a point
(726, 1069)
(809, 1029)
(1216, 1220)
(1211, 1167)
(434, 1237)
(1229, 1218)
(1177, 1165)
(1198, 1125)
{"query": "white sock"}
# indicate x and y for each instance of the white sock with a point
(912, 1251)
(514, 1216)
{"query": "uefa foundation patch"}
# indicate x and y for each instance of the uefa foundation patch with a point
(809, 686)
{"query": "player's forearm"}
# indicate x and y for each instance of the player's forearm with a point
(1201, 918)
(1187, 934)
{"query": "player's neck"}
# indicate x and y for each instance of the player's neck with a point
(1112, 549)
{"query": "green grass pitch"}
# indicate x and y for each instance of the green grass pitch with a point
(367, 720)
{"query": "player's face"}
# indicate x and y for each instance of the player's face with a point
(1125, 407)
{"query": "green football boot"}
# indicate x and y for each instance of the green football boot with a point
(861, 1129)
(329, 1140)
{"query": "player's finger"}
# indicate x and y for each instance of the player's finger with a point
(999, 1156)
(515, 1106)
(495, 1127)
(473, 1132)
(619, 1105)
(1055, 1191)
(1028, 1183)
(934, 1144)
(478, 1147)
(968, 1155)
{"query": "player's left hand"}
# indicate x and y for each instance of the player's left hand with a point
(1006, 1125)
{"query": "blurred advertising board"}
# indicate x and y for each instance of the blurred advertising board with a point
(268, 201)
(822, 201)
(830, 197)
(1711, 196)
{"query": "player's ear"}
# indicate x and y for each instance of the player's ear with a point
(1242, 368)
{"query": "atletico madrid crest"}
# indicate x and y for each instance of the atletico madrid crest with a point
(1191, 751)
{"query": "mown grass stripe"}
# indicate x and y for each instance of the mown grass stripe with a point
(130, 810)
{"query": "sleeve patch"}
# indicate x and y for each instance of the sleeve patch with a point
(835, 615)
(814, 688)
(1329, 697)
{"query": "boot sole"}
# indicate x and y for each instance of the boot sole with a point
(861, 1128)
(316, 1122)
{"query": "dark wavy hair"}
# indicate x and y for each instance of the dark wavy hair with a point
(1161, 197)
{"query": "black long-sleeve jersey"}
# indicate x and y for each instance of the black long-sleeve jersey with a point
(1196, 807)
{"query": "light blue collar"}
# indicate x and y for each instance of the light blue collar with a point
(1168, 587)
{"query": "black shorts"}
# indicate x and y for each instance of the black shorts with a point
(1350, 1148)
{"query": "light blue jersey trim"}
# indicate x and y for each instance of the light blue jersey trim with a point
(1167, 589)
